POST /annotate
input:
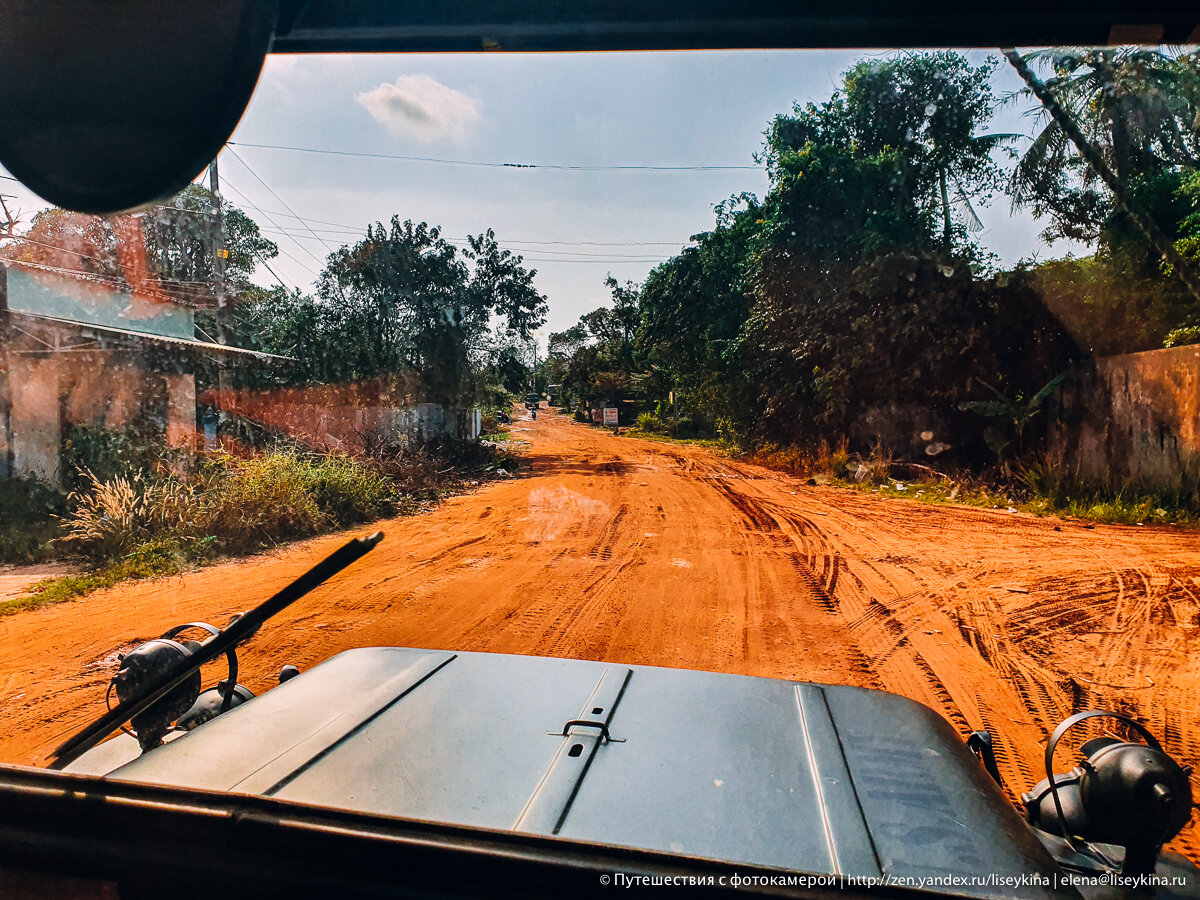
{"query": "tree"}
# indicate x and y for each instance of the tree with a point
(917, 118)
(1136, 106)
(405, 300)
(179, 241)
(891, 333)
(866, 297)
(68, 240)
(596, 358)
(692, 308)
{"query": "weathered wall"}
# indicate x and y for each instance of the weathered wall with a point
(342, 417)
(35, 429)
(1135, 418)
(44, 394)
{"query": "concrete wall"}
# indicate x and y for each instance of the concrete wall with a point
(35, 429)
(1135, 418)
(44, 394)
(342, 417)
(181, 409)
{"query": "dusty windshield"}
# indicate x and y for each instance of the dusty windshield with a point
(865, 368)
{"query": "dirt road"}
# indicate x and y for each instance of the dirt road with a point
(619, 549)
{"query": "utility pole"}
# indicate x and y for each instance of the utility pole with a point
(220, 254)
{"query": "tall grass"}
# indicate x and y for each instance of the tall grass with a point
(139, 522)
(238, 504)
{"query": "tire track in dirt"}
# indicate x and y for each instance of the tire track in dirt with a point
(629, 551)
(1012, 649)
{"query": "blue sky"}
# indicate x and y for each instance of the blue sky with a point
(666, 109)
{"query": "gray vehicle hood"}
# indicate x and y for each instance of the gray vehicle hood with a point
(803, 777)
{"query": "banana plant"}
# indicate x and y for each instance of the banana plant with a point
(1017, 411)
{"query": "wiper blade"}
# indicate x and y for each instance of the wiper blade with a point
(230, 637)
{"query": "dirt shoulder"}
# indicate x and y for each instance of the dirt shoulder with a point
(622, 549)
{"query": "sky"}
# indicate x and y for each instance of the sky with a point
(574, 226)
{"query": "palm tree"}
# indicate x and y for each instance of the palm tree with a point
(1136, 106)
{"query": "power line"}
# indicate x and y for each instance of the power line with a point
(246, 166)
(252, 205)
(460, 242)
(349, 230)
(342, 228)
(495, 165)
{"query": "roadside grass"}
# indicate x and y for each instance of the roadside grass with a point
(151, 524)
(715, 444)
(1040, 487)
(153, 560)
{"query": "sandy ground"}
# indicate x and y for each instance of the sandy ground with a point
(619, 549)
(15, 581)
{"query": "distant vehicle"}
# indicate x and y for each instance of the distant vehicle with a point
(553, 391)
(533, 401)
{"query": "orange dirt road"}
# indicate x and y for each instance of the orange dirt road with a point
(619, 549)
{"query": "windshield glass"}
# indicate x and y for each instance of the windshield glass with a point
(860, 368)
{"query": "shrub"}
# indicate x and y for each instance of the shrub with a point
(113, 517)
(350, 492)
(1188, 334)
(29, 512)
(262, 499)
(287, 493)
(104, 453)
(650, 422)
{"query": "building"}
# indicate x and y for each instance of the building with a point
(90, 350)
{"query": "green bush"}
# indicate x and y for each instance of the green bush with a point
(1188, 334)
(287, 493)
(650, 422)
(29, 512)
(350, 492)
(105, 453)
(263, 500)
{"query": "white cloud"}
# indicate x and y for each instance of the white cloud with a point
(420, 106)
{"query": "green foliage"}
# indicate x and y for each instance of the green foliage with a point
(403, 300)
(1189, 334)
(29, 520)
(179, 241)
(596, 359)
(94, 453)
(823, 345)
(897, 142)
(650, 422)
(1015, 411)
(1137, 106)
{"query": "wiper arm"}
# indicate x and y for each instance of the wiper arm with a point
(230, 637)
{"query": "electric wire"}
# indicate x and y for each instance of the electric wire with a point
(494, 165)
